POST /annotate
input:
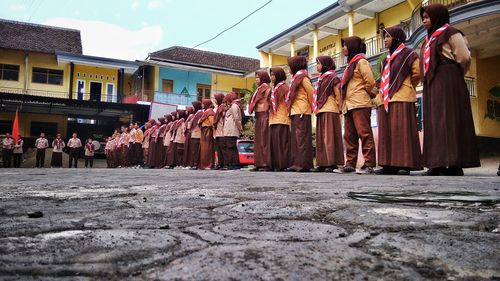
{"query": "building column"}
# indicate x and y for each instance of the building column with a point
(350, 18)
(270, 59)
(410, 3)
(71, 73)
(292, 48)
(315, 43)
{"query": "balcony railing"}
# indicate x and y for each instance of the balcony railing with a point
(32, 92)
(174, 98)
(471, 86)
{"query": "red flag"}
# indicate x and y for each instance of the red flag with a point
(15, 129)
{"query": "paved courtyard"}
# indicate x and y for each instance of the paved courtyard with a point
(134, 224)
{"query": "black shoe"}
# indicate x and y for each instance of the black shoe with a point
(264, 169)
(403, 172)
(347, 169)
(289, 170)
(439, 171)
(329, 169)
(454, 171)
(279, 170)
(317, 170)
(254, 169)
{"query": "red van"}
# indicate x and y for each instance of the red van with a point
(245, 151)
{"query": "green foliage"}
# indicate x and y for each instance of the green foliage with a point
(248, 129)
(376, 71)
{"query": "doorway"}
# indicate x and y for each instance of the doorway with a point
(95, 91)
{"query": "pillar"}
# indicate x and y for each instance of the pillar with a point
(350, 18)
(315, 44)
(292, 48)
(270, 59)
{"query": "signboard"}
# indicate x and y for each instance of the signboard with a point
(158, 109)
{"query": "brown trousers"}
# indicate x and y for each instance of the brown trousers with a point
(219, 145)
(262, 141)
(357, 126)
(230, 151)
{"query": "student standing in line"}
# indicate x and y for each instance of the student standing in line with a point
(356, 85)
(145, 143)
(259, 103)
(57, 151)
(152, 143)
(186, 156)
(195, 129)
(89, 153)
(179, 138)
(74, 145)
(167, 137)
(130, 154)
(326, 106)
(299, 99)
(139, 136)
(449, 137)
(206, 123)
(41, 145)
(158, 145)
(232, 130)
(8, 147)
(168, 142)
(219, 128)
(18, 152)
(116, 149)
(107, 152)
(398, 142)
(279, 121)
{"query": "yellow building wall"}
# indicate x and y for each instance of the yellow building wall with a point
(99, 74)
(395, 14)
(226, 83)
(34, 60)
(487, 77)
(329, 45)
(25, 120)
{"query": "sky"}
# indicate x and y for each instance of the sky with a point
(130, 29)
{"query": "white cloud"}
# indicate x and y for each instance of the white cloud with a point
(17, 7)
(135, 4)
(153, 4)
(109, 40)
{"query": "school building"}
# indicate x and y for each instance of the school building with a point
(320, 34)
(179, 75)
(57, 89)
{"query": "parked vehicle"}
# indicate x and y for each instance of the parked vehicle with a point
(245, 152)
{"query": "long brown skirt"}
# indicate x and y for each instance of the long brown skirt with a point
(152, 152)
(219, 146)
(230, 151)
(179, 154)
(116, 157)
(159, 156)
(165, 157)
(280, 146)
(262, 141)
(186, 156)
(171, 155)
(206, 148)
(357, 126)
(194, 159)
(301, 144)
(329, 146)
(398, 141)
(56, 160)
(449, 136)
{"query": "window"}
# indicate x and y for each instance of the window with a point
(110, 92)
(47, 76)
(91, 75)
(167, 86)
(9, 72)
(203, 91)
(49, 128)
(102, 77)
(5, 126)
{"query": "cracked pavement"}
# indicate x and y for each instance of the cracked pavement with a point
(134, 224)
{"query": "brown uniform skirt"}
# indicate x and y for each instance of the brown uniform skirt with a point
(179, 154)
(398, 141)
(329, 146)
(219, 146)
(357, 126)
(56, 160)
(230, 151)
(194, 158)
(301, 143)
(262, 141)
(186, 156)
(280, 146)
(159, 153)
(152, 152)
(206, 148)
(171, 155)
(449, 136)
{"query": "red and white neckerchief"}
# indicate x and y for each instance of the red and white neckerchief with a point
(300, 72)
(274, 105)
(315, 94)
(386, 77)
(344, 75)
(427, 46)
(257, 90)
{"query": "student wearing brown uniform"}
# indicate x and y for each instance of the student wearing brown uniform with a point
(326, 106)
(195, 129)
(279, 121)
(259, 103)
(299, 99)
(449, 137)
(207, 145)
(399, 145)
(219, 127)
(232, 130)
(356, 85)
(186, 156)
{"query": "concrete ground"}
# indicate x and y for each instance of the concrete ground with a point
(137, 224)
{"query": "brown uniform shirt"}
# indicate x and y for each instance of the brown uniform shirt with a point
(303, 101)
(333, 102)
(359, 87)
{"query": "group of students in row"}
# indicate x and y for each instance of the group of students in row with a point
(283, 123)
(14, 149)
(183, 138)
(449, 137)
